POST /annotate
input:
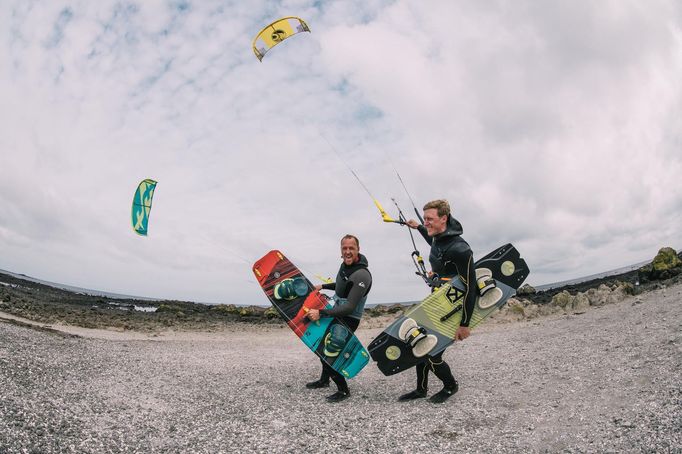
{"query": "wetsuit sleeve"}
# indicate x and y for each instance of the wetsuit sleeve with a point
(359, 283)
(426, 236)
(464, 260)
(330, 286)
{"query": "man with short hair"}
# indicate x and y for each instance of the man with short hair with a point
(450, 257)
(353, 282)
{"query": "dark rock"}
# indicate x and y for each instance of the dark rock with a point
(666, 265)
(526, 289)
(384, 309)
(271, 313)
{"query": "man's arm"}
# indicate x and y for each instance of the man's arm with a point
(416, 225)
(329, 286)
(360, 282)
(426, 236)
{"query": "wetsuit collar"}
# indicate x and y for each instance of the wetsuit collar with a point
(361, 263)
(453, 228)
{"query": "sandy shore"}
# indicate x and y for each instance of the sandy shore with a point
(607, 380)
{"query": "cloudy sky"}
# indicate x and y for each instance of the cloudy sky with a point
(552, 125)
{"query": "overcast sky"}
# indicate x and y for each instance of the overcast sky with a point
(553, 125)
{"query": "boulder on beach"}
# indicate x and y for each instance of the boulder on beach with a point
(526, 289)
(572, 303)
(608, 295)
(518, 308)
(384, 309)
(665, 265)
(225, 309)
(271, 313)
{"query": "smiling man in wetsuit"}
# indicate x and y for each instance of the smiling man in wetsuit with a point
(352, 285)
(450, 256)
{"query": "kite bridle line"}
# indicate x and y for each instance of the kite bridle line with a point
(402, 220)
(433, 281)
(416, 211)
(384, 216)
(416, 256)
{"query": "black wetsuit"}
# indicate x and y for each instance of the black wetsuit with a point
(352, 284)
(450, 256)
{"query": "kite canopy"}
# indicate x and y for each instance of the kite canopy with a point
(277, 32)
(142, 205)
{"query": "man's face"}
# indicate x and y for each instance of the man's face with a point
(349, 251)
(434, 224)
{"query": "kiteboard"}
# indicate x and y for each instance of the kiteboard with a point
(292, 295)
(429, 327)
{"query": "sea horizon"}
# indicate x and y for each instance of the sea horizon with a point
(113, 295)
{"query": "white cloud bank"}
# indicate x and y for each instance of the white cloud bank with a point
(552, 125)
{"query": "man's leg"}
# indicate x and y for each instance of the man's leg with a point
(342, 392)
(323, 382)
(422, 382)
(441, 370)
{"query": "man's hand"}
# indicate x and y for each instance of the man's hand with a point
(412, 224)
(314, 315)
(462, 333)
(318, 287)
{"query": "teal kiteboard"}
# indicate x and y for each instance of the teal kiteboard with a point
(292, 294)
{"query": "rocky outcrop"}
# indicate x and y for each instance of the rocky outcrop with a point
(518, 308)
(608, 295)
(384, 309)
(665, 265)
(271, 313)
(526, 289)
(571, 303)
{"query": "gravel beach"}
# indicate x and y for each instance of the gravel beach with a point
(606, 380)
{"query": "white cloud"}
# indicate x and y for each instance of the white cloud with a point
(554, 126)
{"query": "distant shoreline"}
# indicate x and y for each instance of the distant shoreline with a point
(119, 296)
(44, 303)
(81, 290)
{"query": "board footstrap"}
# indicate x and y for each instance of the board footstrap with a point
(417, 337)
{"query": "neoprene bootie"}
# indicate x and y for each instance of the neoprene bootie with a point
(416, 394)
(317, 384)
(444, 394)
(338, 396)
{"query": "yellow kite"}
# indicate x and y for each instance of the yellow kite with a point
(277, 32)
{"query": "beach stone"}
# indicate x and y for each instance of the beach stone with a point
(384, 309)
(518, 309)
(600, 296)
(226, 309)
(526, 289)
(245, 312)
(666, 259)
(271, 312)
(570, 302)
(167, 308)
(626, 287)
(665, 265)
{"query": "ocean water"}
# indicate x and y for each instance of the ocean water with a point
(579, 280)
(84, 291)
(80, 290)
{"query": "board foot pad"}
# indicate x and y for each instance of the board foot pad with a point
(416, 337)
